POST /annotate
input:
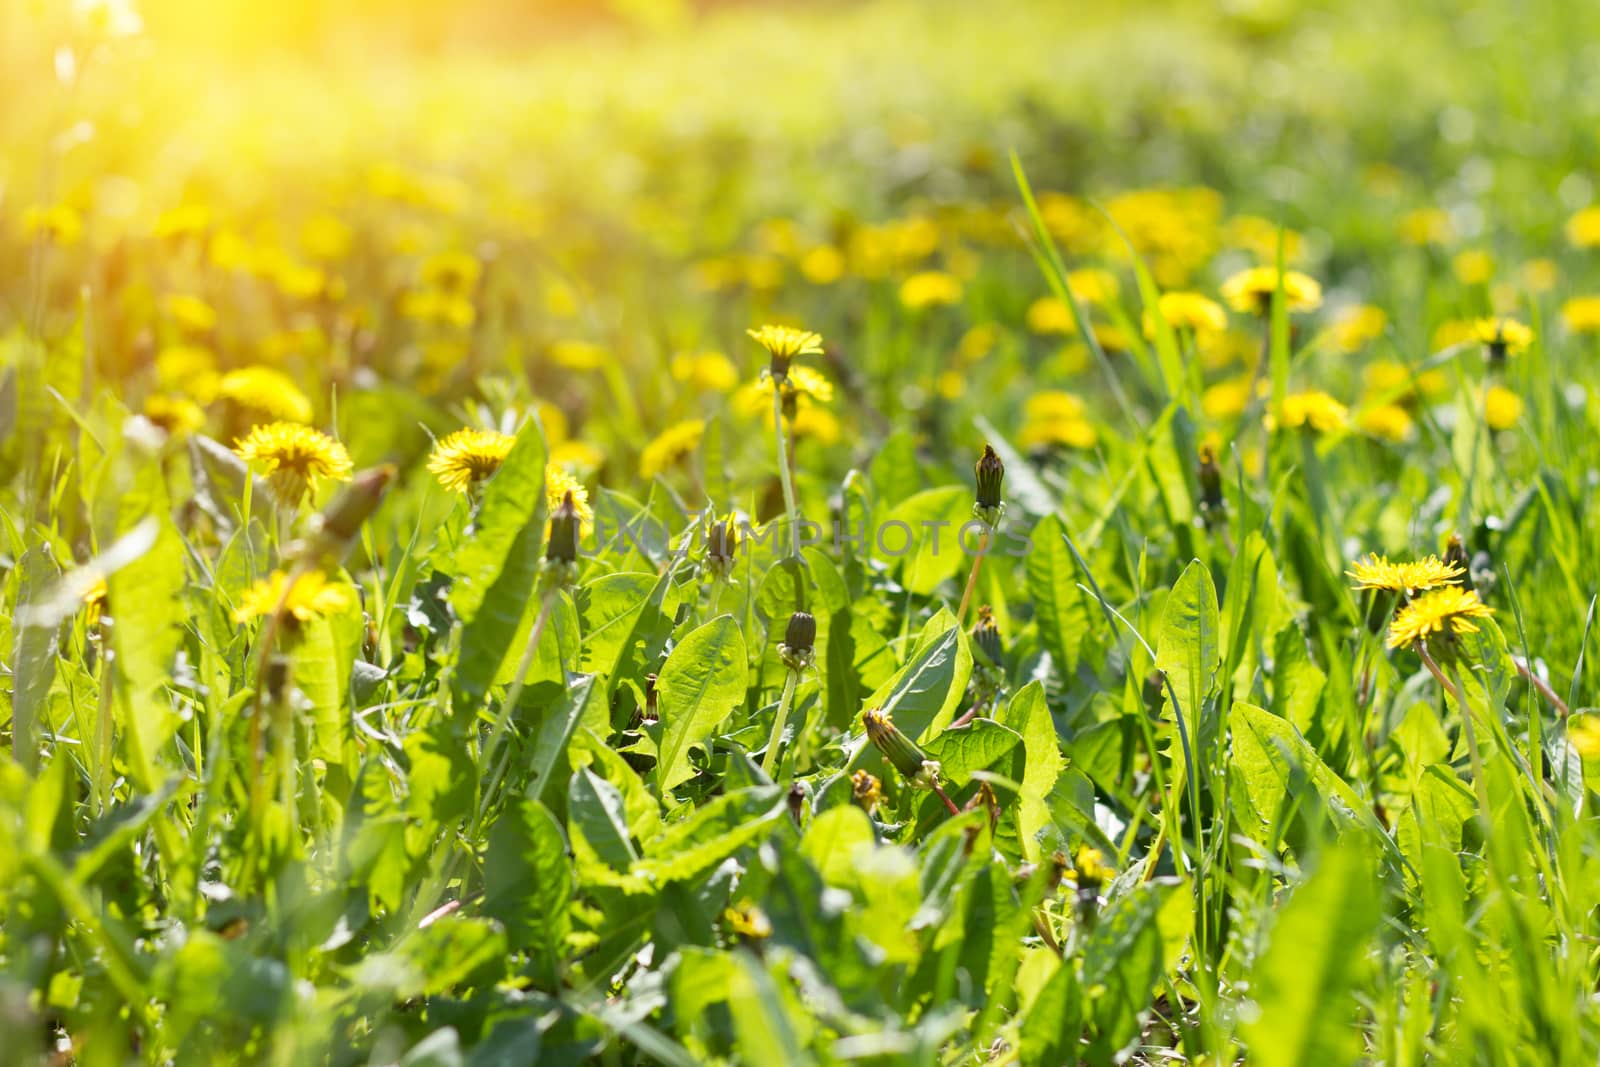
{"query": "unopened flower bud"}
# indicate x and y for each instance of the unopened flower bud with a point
(1211, 499)
(991, 480)
(986, 637)
(1455, 553)
(565, 531)
(722, 545)
(866, 790)
(797, 649)
(896, 747)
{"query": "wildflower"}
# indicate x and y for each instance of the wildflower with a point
(452, 272)
(1067, 431)
(930, 288)
(991, 472)
(1050, 315)
(566, 531)
(94, 600)
(815, 423)
(1540, 275)
(1227, 399)
(1391, 379)
(707, 372)
(326, 237)
(1052, 404)
(783, 344)
(901, 752)
(266, 392)
(60, 224)
(1503, 337)
(468, 457)
(191, 313)
(1582, 314)
(799, 639)
(1387, 422)
(438, 307)
(177, 415)
(986, 637)
(294, 457)
(1473, 266)
(558, 486)
(749, 922)
(1188, 311)
(1583, 733)
(1377, 572)
(1501, 408)
(1313, 410)
(1260, 236)
(1583, 228)
(866, 790)
(1447, 611)
(311, 597)
(1426, 226)
(1090, 867)
(1251, 291)
(822, 265)
(978, 342)
(1093, 285)
(576, 456)
(669, 446)
(722, 545)
(801, 381)
(1358, 326)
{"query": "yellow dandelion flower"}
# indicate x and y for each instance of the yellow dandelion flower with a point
(786, 342)
(748, 921)
(1050, 315)
(1378, 572)
(930, 288)
(557, 484)
(1188, 311)
(1312, 410)
(468, 457)
(1093, 285)
(1448, 610)
(1052, 404)
(190, 312)
(815, 423)
(978, 342)
(59, 224)
(706, 372)
(1501, 408)
(178, 415)
(1582, 314)
(1508, 336)
(1426, 226)
(1357, 327)
(453, 272)
(1473, 266)
(438, 307)
(1226, 400)
(1454, 332)
(802, 381)
(312, 597)
(669, 446)
(1260, 237)
(1250, 291)
(577, 456)
(94, 600)
(1540, 275)
(294, 457)
(866, 790)
(1583, 733)
(1388, 422)
(185, 220)
(1583, 228)
(267, 392)
(1090, 867)
(822, 265)
(1051, 432)
(326, 237)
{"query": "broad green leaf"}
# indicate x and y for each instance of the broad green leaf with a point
(978, 745)
(1058, 603)
(1029, 715)
(513, 502)
(1304, 1011)
(528, 881)
(701, 682)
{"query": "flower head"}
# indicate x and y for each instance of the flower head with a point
(311, 597)
(1313, 410)
(784, 343)
(1503, 337)
(669, 446)
(991, 476)
(749, 922)
(1188, 311)
(930, 288)
(178, 415)
(1447, 610)
(1251, 291)
(1501, 408)
(558, 485)
(294, 457)
(866, 790)
(1377, 572)
(468, 457)
(1582, 314)
(262, 391)
(94, 600)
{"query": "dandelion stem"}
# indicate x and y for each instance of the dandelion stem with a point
(784, 474)
(770, 761)
(972, 575)
(1526, 670)
(1480, 781)
(937, 788)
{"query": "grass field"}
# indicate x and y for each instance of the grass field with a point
(923, 533)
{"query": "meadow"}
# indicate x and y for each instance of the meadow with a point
(763, 533)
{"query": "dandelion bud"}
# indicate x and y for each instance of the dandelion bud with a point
(335, 528)
(1455, 554)
(1211, 500)
(722, 545)
(991, 478)
(986, 637)
(797, 801)
(797, 649)
(898, 749)
(866, 790)
(566, 528)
